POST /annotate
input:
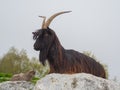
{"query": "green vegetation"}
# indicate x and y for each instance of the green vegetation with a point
(15, 61)
(34, 80)
(5, 77)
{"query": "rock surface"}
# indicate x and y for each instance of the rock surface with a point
(16, 85)
(80, 81)
(24, 76)
(75, 82)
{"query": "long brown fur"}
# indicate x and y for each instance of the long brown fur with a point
(62, 60)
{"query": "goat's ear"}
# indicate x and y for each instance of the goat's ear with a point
(35, 34)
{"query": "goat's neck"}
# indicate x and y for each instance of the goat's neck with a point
(56, 52)
(55, 58)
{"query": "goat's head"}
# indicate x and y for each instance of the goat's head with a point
(44, 37)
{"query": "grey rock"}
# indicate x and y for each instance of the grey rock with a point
(16, 85)
(23, 76)
(79, 81)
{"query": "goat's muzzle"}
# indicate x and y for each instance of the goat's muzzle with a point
(36, 47)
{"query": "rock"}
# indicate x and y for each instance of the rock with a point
(79, 81)
(16, 85)
(24, 76)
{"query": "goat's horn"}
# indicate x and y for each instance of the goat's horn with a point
(52, 17)
(43, 23)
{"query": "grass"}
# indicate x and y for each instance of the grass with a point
(35, 79)
(6, 77)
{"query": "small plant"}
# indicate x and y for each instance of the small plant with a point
(5, 77)
(35, 79)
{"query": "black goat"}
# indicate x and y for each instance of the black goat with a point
(60, 59)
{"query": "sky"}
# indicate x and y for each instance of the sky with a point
(93, 25)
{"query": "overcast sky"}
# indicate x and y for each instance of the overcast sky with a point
(93, 25)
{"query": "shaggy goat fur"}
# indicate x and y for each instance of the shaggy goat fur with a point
(62, 60)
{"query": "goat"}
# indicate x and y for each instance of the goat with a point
(61, 60)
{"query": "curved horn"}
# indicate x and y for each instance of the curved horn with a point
(52, 17)
(43, 23)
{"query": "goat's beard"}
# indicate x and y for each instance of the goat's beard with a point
(43, 56)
